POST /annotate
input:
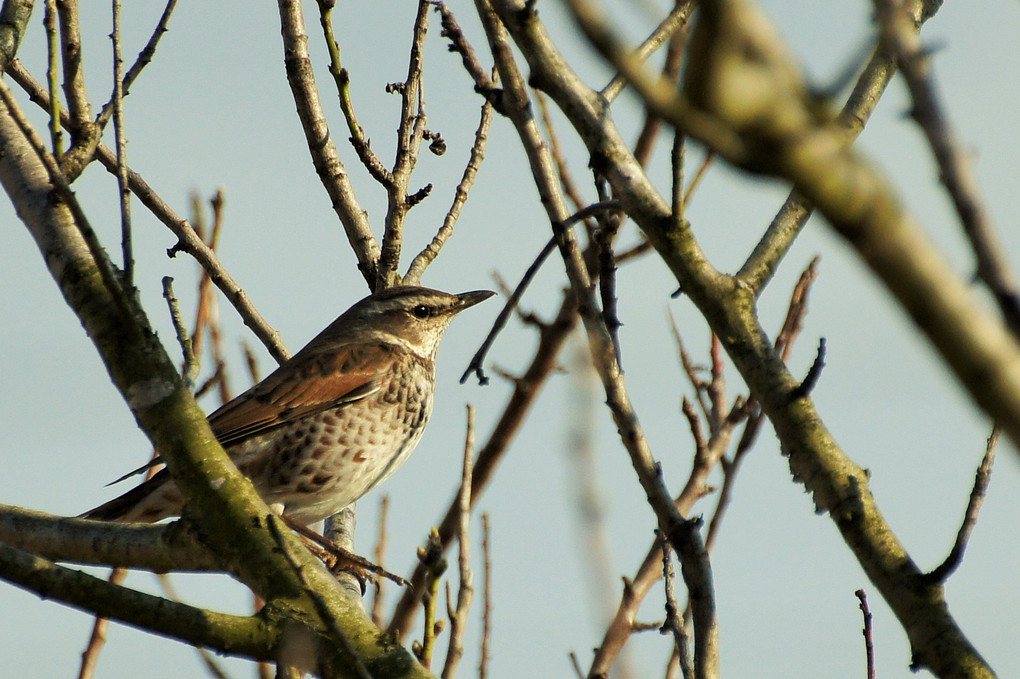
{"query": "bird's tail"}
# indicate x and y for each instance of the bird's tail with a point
(149, 501)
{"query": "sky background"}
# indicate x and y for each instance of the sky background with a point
(214, 110)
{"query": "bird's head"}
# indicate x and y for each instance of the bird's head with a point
(409, 316)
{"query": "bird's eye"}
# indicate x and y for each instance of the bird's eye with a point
(421, 311)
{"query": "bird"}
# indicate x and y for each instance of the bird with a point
(333, 421)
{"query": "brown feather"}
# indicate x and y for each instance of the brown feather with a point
(313, 382)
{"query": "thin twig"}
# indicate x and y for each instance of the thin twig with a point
(206, 307)
(663, 32)
(977, 496)
(604, 238)
(124, 193)
(556, 150)
(483, 662)
(97, 639)
(74, 72)
(325, 158)
(410, 132)
(813, 375)
(578, 672)
(465, 590)
(53, 76)
(459, 44)
(690, 369)
(477, 361)
(191, 366)
(698, 176)
(342, 79)
(432, 557)
(379, 556)
(143, 59)
(674, 624)
(678, 164)
(431, 251)
(869, 643)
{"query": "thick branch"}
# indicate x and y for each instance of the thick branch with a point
(156, 548)
(249, 636)
(899, 32)
(14, 16)
(838, 486)
(685, 541)
(221, 500)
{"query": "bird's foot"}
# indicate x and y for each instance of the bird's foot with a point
(338, 559)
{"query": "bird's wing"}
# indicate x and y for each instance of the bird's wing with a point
(306, 385)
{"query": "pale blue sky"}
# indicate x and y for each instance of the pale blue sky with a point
(214, 110)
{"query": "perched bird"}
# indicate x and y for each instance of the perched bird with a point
(332, 422)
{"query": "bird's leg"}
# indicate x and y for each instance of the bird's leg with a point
(335, 556)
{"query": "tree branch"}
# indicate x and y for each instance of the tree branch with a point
(158, 548)
(325, 158)
(899, 33)
(249, 636)
(838, 486)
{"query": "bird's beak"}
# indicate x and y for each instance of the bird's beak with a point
(466, 299)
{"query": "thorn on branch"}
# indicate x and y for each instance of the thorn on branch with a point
(814, 373)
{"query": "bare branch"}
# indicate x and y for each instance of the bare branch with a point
(410, 133)
(120, 136)
(465, 591)
(52, 75)
(869, 644)
(191, 366)
(814, 373)
(673, 22)
(14, 16)
(431, 251)
(483, 662)
(378, 557)
(248, 636)
(899, 33)
(477, 361)
(977, 497)
(674, 624)
(342, 79)
(97, 638)
(526, 390)
(189, 241)
(325, 158)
